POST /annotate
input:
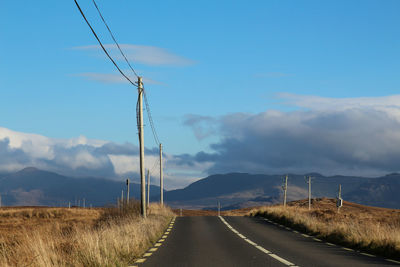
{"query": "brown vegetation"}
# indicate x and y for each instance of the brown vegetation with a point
(237, 212)
(78, 237)
(371, 229)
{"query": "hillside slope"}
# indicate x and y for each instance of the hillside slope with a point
(238, 190)
(31, 186)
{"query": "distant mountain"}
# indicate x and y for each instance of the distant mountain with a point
(31, 186)
(243, 190)
(381, 192)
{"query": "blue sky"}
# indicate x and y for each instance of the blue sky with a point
(215, 58)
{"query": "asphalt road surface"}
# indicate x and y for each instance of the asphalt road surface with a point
(243, 241)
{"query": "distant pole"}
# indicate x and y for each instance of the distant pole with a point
(122, 198)
(79, 203)
(141, 141)
(127, 191)
(161, 178)
(219, 208)
(284, 187)
(148, 188)
(69, 204)
(309, 192)
(339, 202)
(84, 203)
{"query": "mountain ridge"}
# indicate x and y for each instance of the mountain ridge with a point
(32, 186)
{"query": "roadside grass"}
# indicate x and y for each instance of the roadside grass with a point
(370, 229)
(101, 237)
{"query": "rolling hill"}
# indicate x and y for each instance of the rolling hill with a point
(238, 190)
(31, 186)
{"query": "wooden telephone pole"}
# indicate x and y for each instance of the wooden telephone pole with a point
(141, 144)
(309, 192)
(284, 187)
(127, 191)
(161, 178)
(148, 188)
(339, 202)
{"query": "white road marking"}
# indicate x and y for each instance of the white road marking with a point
(366, 254)
(250, 242)
(348, 249)
(398, 262)
(282, 260)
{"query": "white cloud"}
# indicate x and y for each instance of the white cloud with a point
(359, 136)
(148, 55)
(327, 103)
(87, 157)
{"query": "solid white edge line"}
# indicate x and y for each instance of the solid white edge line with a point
(276, 257)
(393, 261)
(319, 240)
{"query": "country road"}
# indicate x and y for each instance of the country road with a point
(243, 241)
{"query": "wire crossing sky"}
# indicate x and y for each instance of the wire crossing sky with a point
(266, 86)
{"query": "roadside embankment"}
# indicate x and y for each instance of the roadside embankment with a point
(370, 229)
(79, 237)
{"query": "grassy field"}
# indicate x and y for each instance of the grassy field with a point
(371, 229)
(37, 236)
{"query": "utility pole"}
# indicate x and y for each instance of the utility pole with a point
(339, 202)
(284, 187)
(127, 191)
(309, 192)
(148, 188)
(161, 178)
(84, 203)
(219, 208)
(122, 198)
(141, 142)
(69, 204)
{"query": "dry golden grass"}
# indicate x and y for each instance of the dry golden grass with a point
(371, 229)
(237, 212)
(78, 237)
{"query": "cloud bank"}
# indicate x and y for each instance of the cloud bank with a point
(87, 157)
(352, 136)
(349, 136)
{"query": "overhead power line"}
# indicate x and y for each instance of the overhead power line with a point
(104, 49)
(153, 129)
(112, 36)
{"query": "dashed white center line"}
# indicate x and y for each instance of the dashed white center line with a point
(280, 259)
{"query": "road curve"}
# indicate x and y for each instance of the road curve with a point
(243, 241)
